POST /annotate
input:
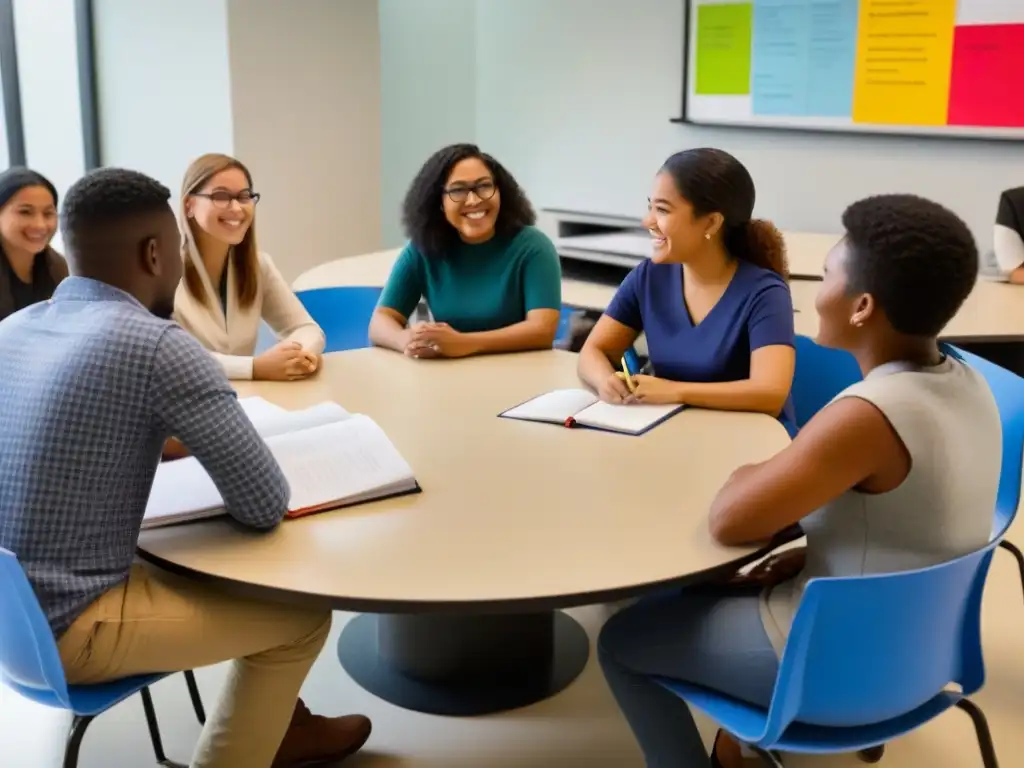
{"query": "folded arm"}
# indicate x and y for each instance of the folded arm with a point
(848, 444)
(193, 402)
(608, 341)
(537, 331)
(765, 391)
(388, 329)
(285, 314)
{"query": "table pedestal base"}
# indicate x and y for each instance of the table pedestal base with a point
(463, 665)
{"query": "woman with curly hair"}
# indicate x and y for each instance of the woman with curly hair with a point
(712, 299)
(900, 471)
(492, 281)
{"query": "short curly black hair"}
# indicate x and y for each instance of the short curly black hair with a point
(423, 214)
(918, 259)
(110, 196)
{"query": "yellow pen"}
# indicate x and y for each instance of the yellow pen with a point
(628, 376)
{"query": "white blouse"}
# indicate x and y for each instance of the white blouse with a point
(231, 333)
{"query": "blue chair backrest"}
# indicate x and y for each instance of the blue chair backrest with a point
(28, 652)
(821, 374)
(870, 648)
(343, 313)
(1008, 389)
(565, 322)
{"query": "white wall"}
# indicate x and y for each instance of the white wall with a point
(163, 83)
(51, 107)
(305, 95)
(428, 92)
(575, 96)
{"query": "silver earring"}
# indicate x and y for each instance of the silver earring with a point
(707, 235)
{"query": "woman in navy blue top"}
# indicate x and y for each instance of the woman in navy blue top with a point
(712, 300)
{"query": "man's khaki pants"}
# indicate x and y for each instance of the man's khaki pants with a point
(156, 622)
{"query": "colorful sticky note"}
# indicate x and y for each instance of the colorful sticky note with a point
(903, 64)
(803, 59)
(723, 49)
(988, 66)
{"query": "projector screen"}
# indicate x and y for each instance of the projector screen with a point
(939, 67)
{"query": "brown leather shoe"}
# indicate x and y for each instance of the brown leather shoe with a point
(313, 740)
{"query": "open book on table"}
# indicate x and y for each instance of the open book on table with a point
(331, 458)
(580, 408)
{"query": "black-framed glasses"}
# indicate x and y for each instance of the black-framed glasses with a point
(221, 198)
(459, 193)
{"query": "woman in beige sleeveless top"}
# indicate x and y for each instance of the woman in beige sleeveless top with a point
(900, 471)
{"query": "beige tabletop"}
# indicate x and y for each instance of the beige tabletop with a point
(510, 511)
(993, 312)
(806, 252)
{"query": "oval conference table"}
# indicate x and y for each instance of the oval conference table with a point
(460, 584)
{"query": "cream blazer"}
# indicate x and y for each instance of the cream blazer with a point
(231, 334)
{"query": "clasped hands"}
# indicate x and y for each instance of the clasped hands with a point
(645, 389)
(433, 340)
(286, 361)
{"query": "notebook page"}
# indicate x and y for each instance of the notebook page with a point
(339, 461)
(295, 421)
(259, 410)
(629, 419)
(555, 406)
(180, 488)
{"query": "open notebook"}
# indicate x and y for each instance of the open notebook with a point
(580, 408)
(331, 458)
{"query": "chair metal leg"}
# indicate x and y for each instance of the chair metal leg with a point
(988, 749)
(74, 742)
(193, 693)
(154, 731)
(1018, 556)
(772, 759)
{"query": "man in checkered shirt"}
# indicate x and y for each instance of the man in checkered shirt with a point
(93, 384)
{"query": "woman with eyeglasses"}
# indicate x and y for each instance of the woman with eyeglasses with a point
(229, 286)
(491, 280)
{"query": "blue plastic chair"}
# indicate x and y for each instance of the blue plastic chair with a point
(915, 632)
(821, 374)
(868, 659)
(30, 665)
(565, 323)
(1008, 389)
(343, 313)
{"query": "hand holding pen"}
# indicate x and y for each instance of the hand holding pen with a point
(618, 388)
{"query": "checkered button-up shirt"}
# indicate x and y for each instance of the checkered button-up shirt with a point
(91, 385)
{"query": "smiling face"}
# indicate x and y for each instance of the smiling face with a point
(224, 207)
(677, 233)
(842, 315)
(29, 220)
(471, 200)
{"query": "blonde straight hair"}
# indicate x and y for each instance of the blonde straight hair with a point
(246, 256)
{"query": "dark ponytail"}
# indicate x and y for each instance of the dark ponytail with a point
(759, 242)
(713, 181)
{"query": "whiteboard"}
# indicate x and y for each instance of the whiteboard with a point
(932, 67)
